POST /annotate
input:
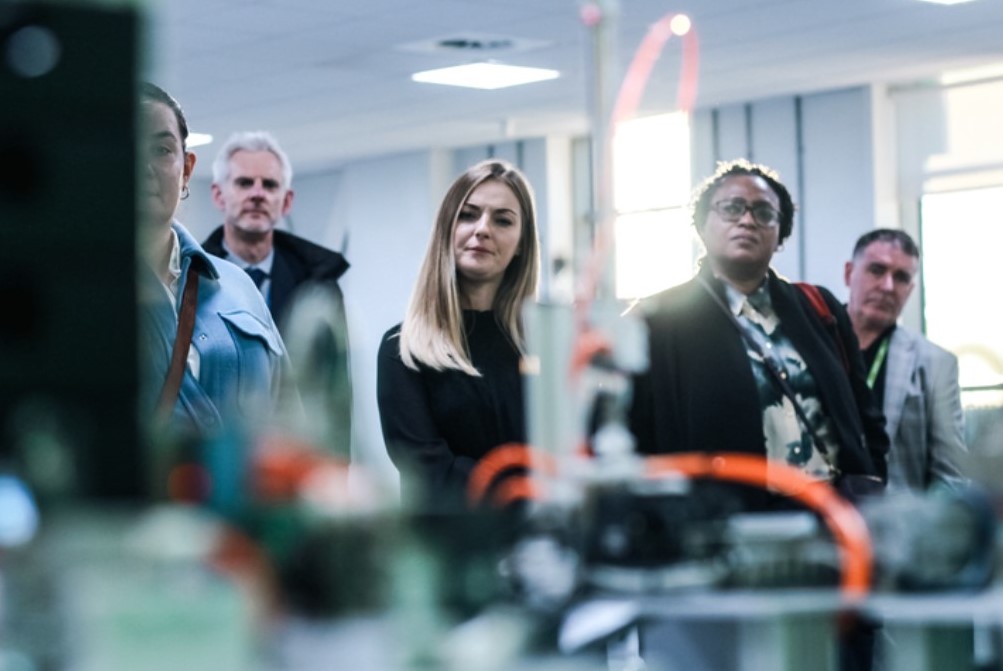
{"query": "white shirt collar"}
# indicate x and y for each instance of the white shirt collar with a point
(173, 265)
(736, 299)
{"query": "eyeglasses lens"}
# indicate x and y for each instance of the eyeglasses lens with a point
(732, 210)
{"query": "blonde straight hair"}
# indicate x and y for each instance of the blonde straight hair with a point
(432, 333)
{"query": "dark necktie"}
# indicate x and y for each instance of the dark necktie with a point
(258, 275)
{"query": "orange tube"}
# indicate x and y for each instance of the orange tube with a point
(587, 347)
(844, 521)
(643, 62)
(627, 100)
(520, 488)
(503, 457)
(846, 524)
(282, 463)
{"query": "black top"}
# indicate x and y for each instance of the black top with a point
(437, 424)
(870, 354)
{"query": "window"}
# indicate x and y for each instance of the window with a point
(961, 238)
(655, 244)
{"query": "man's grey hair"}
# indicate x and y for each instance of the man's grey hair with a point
(257, 140)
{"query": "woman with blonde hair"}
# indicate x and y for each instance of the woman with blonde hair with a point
(448, 382)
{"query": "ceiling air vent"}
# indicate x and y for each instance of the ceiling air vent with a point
(474, 43)
(470, 44)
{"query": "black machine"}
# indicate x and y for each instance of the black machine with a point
(69, 376)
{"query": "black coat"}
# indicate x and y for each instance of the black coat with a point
(297, 261)
(699, 393)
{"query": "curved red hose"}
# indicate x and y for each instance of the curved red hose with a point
(844, 521)
(628, 98)
(504, 457)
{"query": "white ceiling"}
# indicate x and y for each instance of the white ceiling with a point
(329, 77)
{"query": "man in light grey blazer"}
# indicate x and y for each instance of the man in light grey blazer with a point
(914, 381)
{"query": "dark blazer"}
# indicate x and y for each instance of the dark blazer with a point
(699, 393)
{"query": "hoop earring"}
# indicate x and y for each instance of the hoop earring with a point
(185, 192)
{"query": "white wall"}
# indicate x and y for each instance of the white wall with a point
(838, 190)
(387, 206)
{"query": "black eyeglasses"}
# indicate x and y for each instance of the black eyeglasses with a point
(763, 214)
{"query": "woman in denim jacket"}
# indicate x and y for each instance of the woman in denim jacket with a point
(232, 365)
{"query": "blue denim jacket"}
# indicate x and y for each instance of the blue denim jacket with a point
(240, 350)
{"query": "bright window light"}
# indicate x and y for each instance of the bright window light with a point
(972, 74)
(198, 139)
(655, 246)
(654, 250)
(947, 2)
(485, 75)
(651, 162)
(961, 258)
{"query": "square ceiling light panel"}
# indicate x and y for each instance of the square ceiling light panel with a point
(485, 75)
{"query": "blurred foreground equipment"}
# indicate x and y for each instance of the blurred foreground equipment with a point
(67, 246)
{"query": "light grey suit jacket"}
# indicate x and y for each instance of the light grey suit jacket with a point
(923, 413)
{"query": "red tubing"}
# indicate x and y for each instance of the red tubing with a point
(844, 521)
(503, 457)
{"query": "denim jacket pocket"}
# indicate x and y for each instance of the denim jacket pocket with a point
(249, 326)
(258, 348)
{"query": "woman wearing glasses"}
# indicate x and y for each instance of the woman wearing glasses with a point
(741, 361)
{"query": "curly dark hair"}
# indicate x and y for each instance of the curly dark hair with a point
(725, 169)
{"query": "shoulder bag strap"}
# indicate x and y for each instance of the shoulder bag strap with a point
(821, 308)
(779, 376)
(182, 342)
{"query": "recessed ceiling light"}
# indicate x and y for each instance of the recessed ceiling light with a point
(947, 2)
(198, 139)
(485, 75)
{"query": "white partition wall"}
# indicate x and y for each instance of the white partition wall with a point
(388, 205)
(838, 190)
(774, 144)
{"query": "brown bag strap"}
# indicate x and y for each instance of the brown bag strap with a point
(772, 366)
(821, 308)
(182, 342)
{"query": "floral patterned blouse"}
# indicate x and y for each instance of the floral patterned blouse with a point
(786, 439)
